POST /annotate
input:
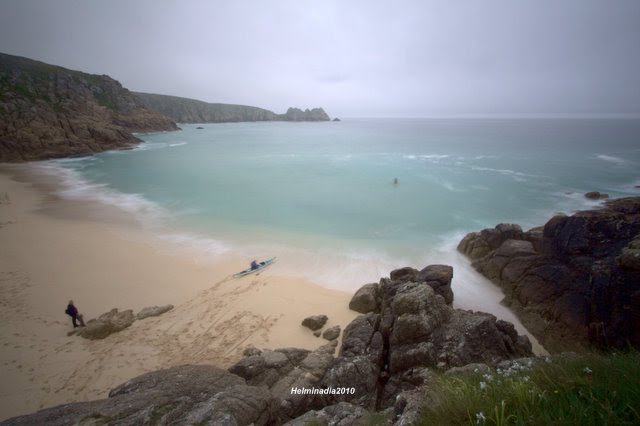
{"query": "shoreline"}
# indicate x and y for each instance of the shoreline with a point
(50, 255)
(79, 199)
(103, 257)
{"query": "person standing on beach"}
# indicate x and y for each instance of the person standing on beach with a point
(76, 317)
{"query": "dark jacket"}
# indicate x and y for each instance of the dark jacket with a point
(71, 310)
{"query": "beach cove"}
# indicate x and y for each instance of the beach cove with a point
(55, 249)
(73, 231)
(49, 255)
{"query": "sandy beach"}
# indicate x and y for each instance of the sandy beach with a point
(54, 250)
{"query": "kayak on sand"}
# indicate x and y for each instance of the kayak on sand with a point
(260, 266)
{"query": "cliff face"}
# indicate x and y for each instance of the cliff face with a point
(184, 110)
(574, 282)
(48, 111)
(296, 114)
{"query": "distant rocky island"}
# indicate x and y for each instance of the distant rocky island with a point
(47, 111)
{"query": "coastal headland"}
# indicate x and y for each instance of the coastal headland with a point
(47, 111)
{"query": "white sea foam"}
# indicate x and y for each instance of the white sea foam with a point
(433, 158)
(198, 247)
(88, 158)
(150, 215)
(148, 146)
(450, 186)
(75, 187)
(344, 270)
(572, 200)
(519, 176)
(611, 159)
(632, 187)
(177, 144)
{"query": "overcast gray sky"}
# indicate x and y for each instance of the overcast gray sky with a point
(354, 58)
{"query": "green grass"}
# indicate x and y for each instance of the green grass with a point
(590, 389)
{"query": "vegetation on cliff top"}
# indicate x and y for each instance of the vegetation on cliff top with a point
(185, 110)
(48, 111)
(589, 389)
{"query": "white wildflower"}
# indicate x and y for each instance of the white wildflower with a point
(588, 370)
(525, 379)
(480, 418)
(488, 377)
(483, 385)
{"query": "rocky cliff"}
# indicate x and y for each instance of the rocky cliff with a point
(386, 363)
(184, 110)
(575, 281)
(48, 111)
(296, 114)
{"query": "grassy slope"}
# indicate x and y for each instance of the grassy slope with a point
(589, 389)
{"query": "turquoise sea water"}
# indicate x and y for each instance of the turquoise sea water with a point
(321, 196)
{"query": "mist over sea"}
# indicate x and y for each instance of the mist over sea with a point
(321, 197)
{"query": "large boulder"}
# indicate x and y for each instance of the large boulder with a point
(266, 367)
(340, 414)
(437, 277)
(595, 195)
(331, 333)
(107, 324)
(153, 311)
(187, 394)
(366, 299)
(479, 244)
(315, 322)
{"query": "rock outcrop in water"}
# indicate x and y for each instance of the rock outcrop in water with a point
(48, 111)
(574, 282)
(386, 362)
